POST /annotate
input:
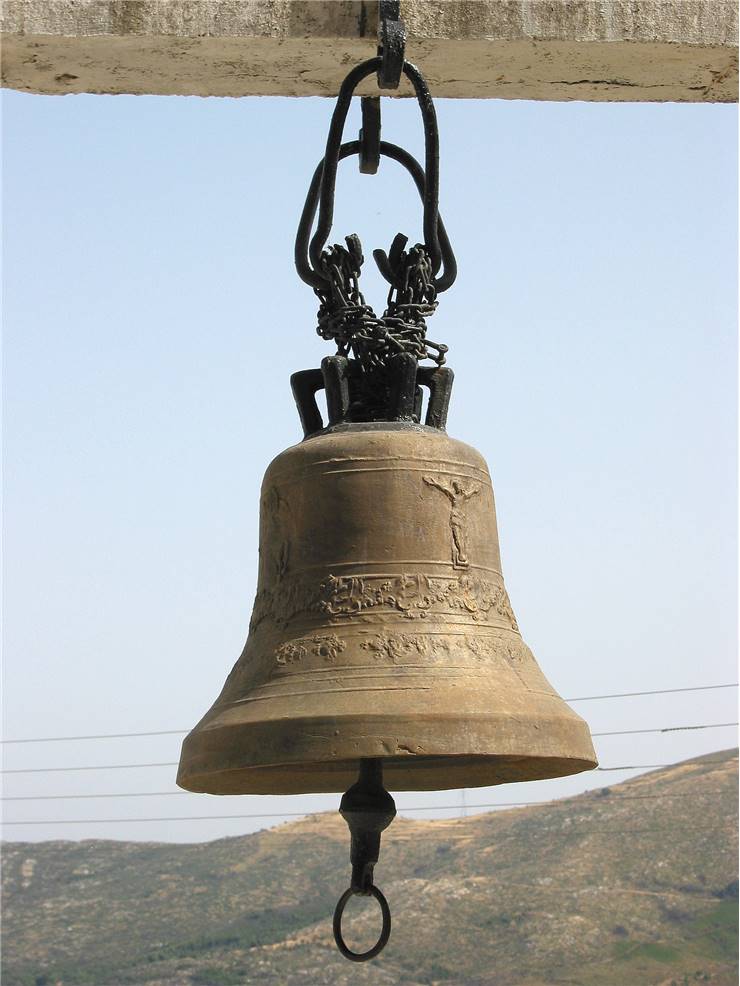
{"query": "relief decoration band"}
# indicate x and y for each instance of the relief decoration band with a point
(414, 596)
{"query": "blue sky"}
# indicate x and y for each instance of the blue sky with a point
(152, 317)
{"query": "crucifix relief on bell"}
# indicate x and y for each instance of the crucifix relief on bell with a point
(383, 648)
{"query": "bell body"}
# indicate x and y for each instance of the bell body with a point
(381, 629)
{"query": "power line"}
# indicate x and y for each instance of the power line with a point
(649, 766)
(278, 814)
(202, 818)
(126, 766)
(61, 739)
(109, 766)
(174, 763)
(639, 766)
(74, 797)
(660, 691)
(667, 729)
(182, 732)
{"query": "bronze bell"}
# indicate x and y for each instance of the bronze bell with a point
(381, 629)
(382, 647)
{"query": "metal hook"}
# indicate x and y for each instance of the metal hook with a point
(370, 135)
(392, 52)
(331, 160)
(391, 43)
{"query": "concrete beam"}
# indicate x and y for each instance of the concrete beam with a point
(599, 50)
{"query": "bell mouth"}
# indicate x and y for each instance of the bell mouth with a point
(321, 757)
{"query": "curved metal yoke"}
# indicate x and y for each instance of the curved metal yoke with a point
(308, 274)
(323, 185)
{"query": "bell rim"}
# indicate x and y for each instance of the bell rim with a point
(448, 752)
(422, 776)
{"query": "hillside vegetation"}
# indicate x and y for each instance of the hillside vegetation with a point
(634, 885)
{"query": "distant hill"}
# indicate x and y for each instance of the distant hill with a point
(635, 885)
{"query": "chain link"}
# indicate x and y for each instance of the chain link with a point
(345, 317)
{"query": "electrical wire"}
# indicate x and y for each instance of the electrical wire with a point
(101, 736)
(667, 729)
(660, 691)
(108, 766)
(117, 766)
(277, 814)
(182, 732)
(203, 818)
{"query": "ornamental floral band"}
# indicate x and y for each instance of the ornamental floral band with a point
(413, 596)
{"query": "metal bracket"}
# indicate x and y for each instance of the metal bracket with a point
(380, 378)
(340, 379)
(391, 43)
(392, 52)
(370, 135)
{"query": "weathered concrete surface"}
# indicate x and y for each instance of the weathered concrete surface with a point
(664, 50)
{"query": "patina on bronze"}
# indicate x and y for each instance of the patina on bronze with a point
(381, 628)
(382, 641)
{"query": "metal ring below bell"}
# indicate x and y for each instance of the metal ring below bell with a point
(385, 931)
